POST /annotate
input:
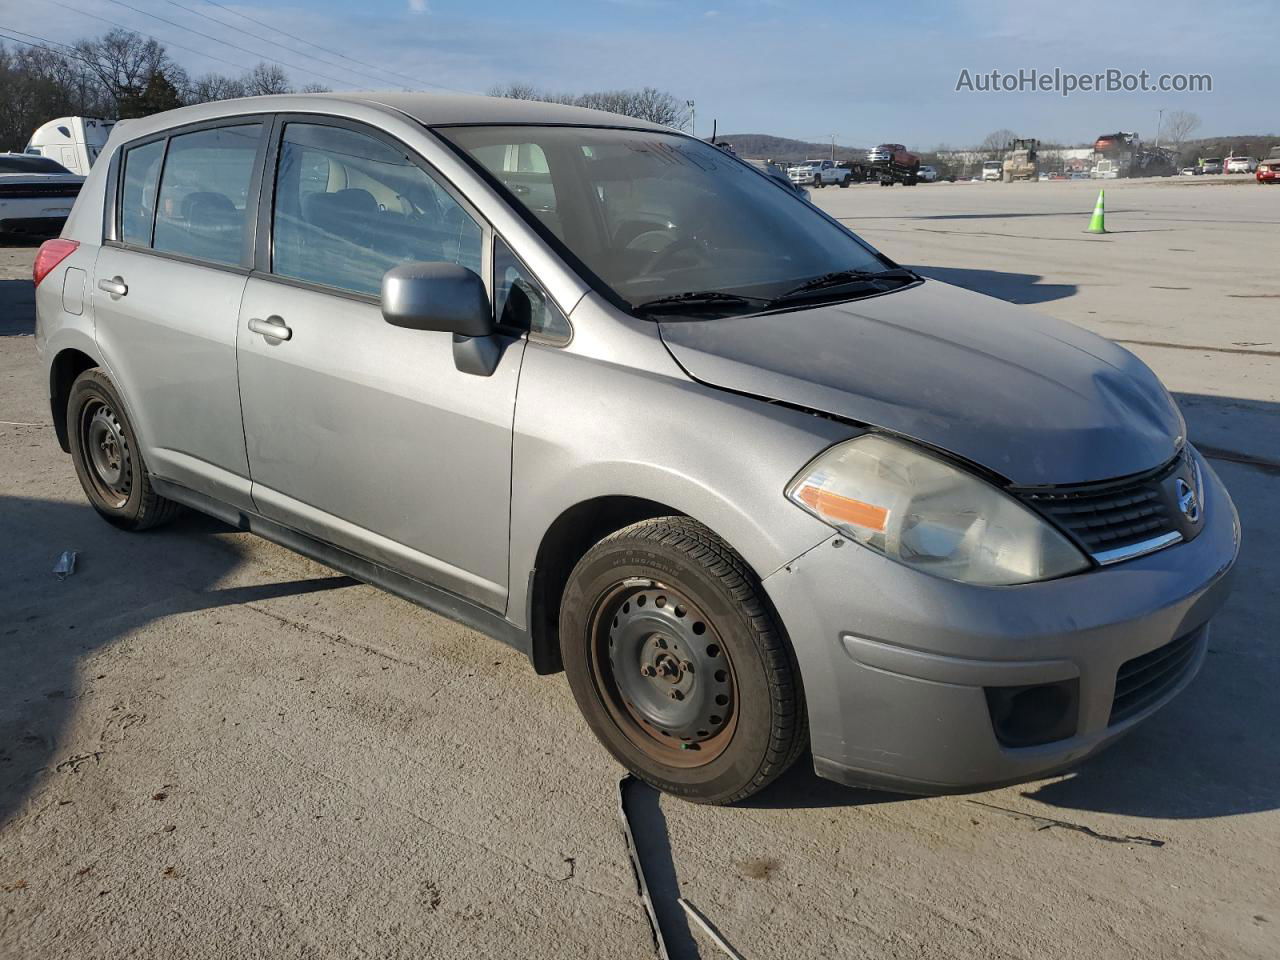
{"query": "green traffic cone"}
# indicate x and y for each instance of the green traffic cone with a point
(1096, 225)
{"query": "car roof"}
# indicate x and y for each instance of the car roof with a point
(430, 109)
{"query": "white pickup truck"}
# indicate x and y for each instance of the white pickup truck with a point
(818, 173)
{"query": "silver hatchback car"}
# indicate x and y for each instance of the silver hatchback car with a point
(618, 398)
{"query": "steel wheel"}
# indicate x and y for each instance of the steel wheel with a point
(109, 461)
(106, 451)
(663, 673)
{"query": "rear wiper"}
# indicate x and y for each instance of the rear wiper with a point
(697, 300)
(840, 278)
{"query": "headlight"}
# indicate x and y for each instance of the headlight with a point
(921, 511)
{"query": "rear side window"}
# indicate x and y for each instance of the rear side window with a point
(204, 193)
(349, 207)
(138, 196)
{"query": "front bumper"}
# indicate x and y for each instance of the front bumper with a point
(898, 666)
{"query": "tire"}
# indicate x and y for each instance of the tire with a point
(817, 183)
(709, 706)
(844, 184)
(108, 461)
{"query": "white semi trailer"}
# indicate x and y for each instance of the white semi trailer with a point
(74, 142)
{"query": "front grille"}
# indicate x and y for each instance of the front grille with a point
(14, 191)
(1111, 516)
(1144, 680)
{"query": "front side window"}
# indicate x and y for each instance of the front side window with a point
(138, 193)
(655, 215)
(204, 193)
(349, 207)
(519, 300)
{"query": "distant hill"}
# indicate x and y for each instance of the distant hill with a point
(762, 146)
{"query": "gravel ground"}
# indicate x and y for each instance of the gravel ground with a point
(211, 747)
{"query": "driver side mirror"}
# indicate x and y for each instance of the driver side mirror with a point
(437, 296)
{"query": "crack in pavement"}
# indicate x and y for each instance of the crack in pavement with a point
(1049, 822)
(1202, 348)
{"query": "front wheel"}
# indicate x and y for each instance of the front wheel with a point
(679, 664)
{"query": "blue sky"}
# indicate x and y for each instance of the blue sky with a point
(803, 69)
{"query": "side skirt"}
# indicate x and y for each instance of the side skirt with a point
(434, 599)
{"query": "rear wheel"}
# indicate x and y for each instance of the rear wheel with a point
(679, 665)
(107, 459)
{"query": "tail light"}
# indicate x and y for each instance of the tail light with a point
(50, 254)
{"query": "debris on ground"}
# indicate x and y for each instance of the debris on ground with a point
(641, 886)
(66, 564)
(696, 916)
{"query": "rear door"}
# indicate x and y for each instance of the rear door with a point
(359, 433)
(166, 296)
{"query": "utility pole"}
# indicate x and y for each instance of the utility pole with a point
(693, 118)
(833, 148)
(1159, 127)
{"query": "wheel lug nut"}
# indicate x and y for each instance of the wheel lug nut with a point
(662, 644)
(686, 666)
(648, 670)
(676, 695)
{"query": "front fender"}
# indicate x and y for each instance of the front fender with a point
(585, 428)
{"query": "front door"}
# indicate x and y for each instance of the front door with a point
(359, 433)
(166, 297)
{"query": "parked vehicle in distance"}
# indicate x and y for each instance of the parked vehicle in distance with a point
(1269, 169)
(36, 195)
(927, 174)
(1190, 172)
(1079, 175)
(1241, 164)
(993, 170)
(678, 447)
(1211, 165)
(818, 173)
(1105, 170)
(771, 169)
(893, 163)
(74, 142)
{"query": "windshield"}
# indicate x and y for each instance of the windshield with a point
(655, 215)
(24, 164)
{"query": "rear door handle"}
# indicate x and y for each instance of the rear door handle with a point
(115, 286)
(272, 328)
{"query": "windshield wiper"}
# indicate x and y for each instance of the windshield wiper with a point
(841, 278)
(695, 301)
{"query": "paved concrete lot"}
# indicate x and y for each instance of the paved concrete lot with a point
(210, 747)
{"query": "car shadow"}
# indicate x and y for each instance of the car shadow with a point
(1213, 751)
(121, 582)
(1015, 287)
(17, 308)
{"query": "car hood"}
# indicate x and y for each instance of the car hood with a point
(1033, 399)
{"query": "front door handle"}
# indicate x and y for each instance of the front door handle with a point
(115, 286)
(272, 328)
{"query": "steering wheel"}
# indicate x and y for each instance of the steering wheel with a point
(667, 253)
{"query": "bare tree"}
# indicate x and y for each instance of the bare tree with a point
(125, 62)
(214, 86)
(516, 91)
(1178, 128)
(266, 78)
(647, 103)
(996, 143)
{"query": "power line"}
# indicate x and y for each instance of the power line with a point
(150, 36)
(43, 40)
(268, 40)
(336, 53)
(226, 43)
